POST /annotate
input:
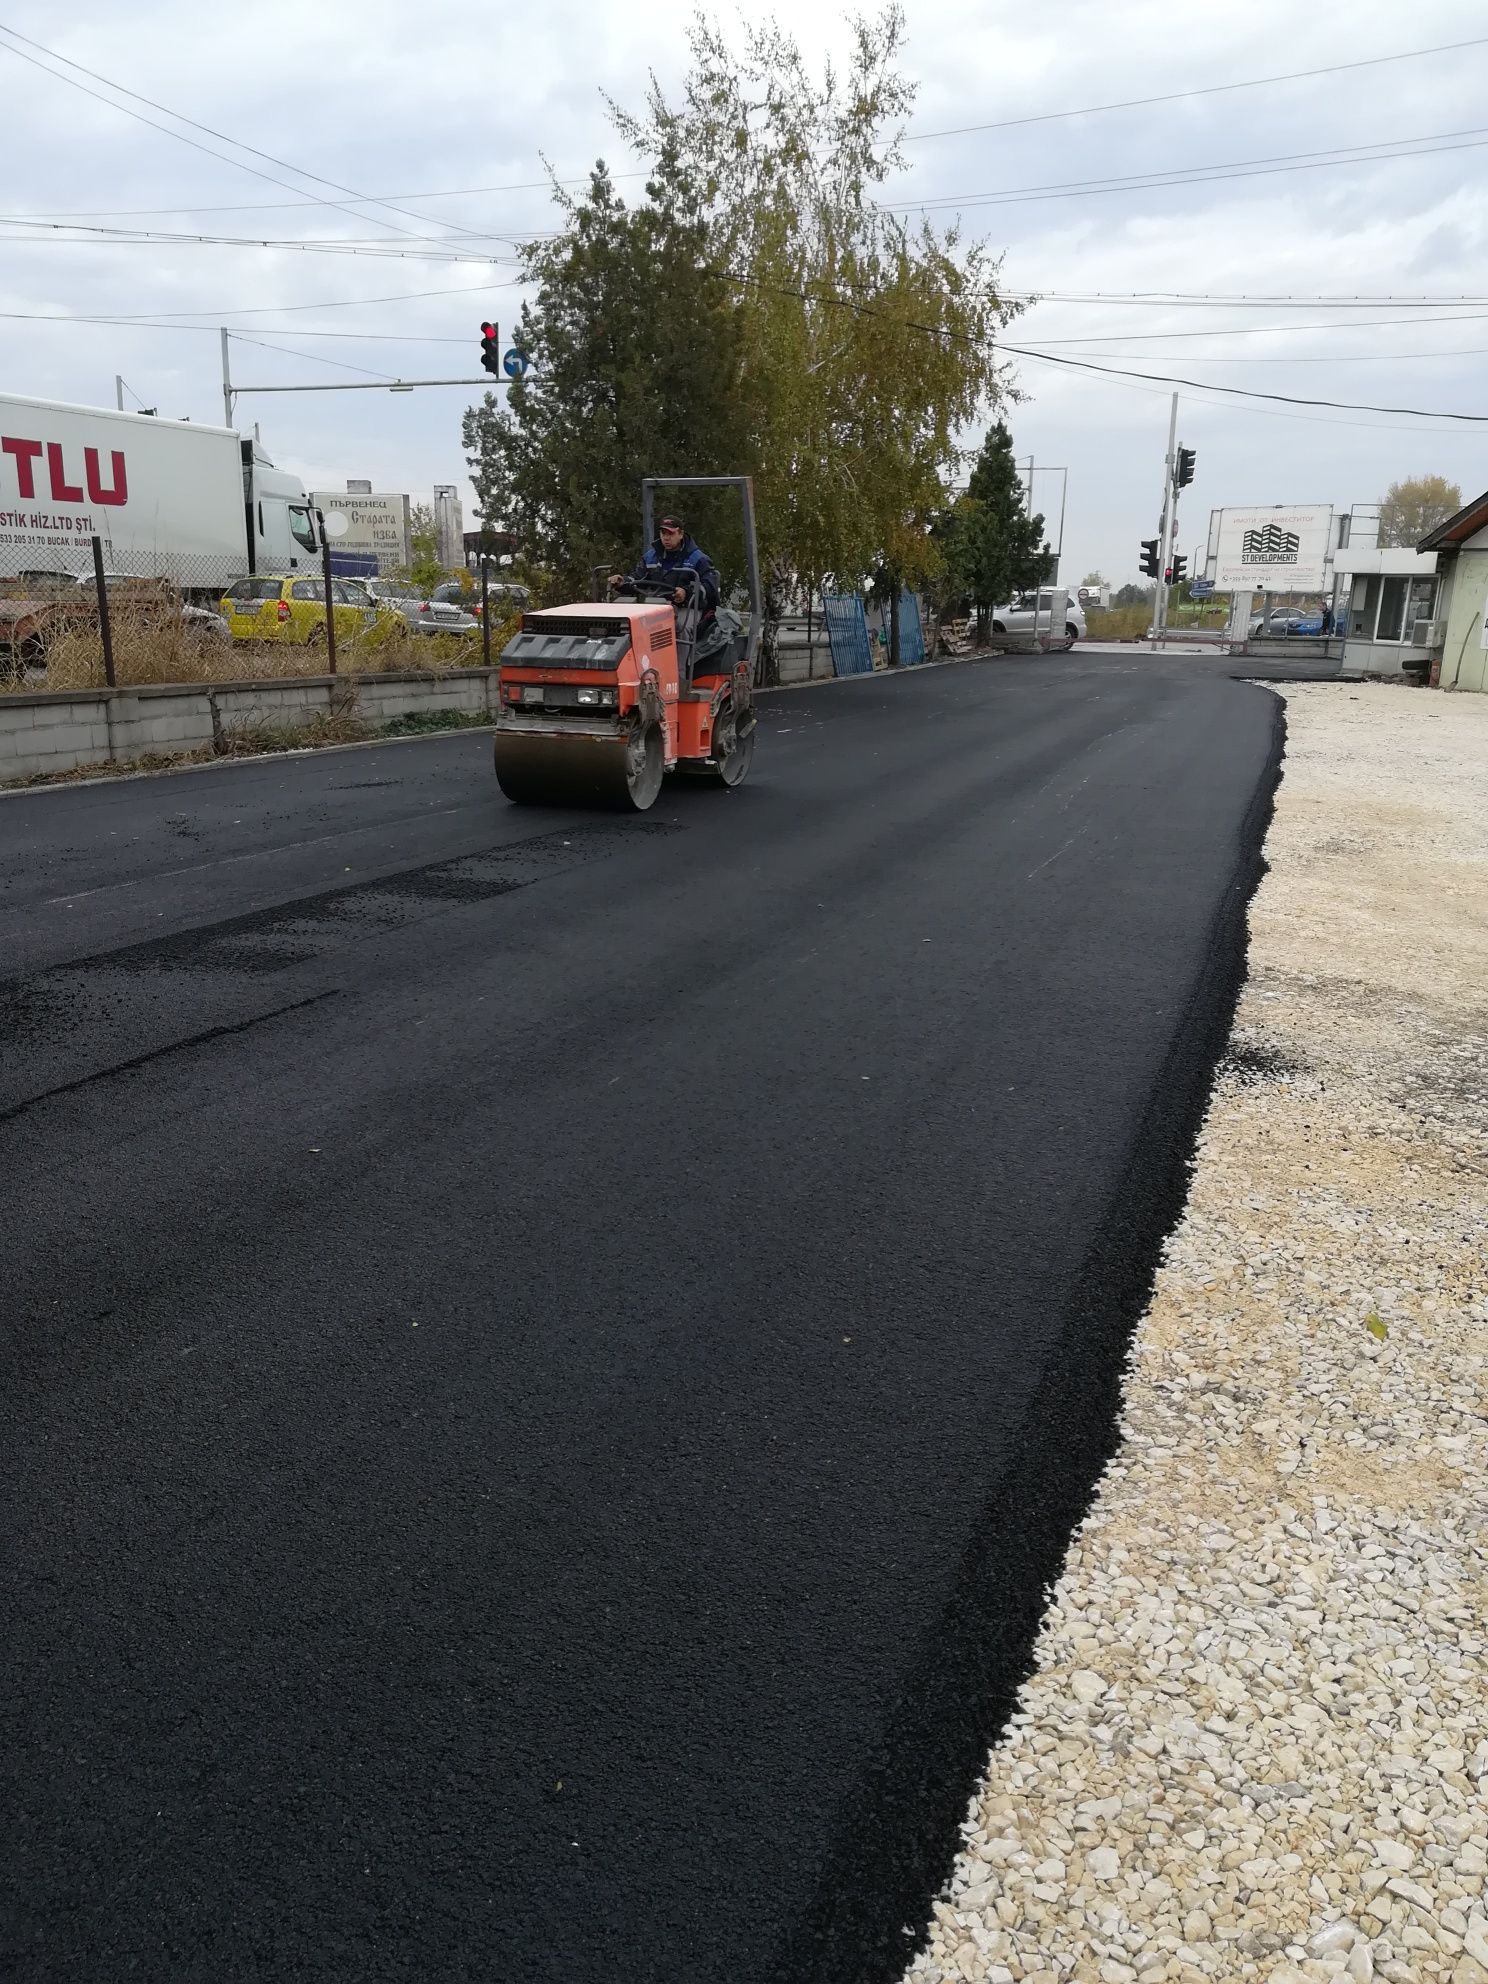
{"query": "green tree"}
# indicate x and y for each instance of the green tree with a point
(866, 344)
(423, 571)
(635, 349)
(992, 546)
(1414, 507)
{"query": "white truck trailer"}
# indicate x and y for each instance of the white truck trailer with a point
(196, 506)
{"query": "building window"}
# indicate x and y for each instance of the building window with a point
(1421, 605)
(1402, 602)
(1391, 609)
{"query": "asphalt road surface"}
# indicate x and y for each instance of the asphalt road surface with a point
(547, 1359)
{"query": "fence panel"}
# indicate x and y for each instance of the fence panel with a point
(911, 630)
(65, 626)
(847, 633)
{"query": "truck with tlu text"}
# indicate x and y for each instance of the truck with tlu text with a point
(193, 507)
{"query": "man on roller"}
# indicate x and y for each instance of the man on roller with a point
(674, 551)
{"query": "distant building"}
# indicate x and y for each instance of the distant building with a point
(449, 524)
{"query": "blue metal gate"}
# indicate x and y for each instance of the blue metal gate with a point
(911, 630)
(847, 633)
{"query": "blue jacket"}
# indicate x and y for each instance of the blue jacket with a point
(691, 555)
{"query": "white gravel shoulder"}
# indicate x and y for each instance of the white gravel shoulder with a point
(1256, 1741)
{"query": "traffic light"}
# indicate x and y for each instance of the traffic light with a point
(1180, 567)
(490, 349)
(1186, 459)
(1149, 557)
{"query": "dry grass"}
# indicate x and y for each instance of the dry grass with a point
(1130, 623)
(156, 647)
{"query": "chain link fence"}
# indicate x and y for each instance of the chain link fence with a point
(68, 620)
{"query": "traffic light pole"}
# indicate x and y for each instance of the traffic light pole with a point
(1167, 531)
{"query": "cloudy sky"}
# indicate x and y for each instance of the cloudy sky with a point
(418, 104)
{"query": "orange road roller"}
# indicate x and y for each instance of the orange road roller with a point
(599, 700)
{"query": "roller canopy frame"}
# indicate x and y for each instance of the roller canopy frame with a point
(745, 486)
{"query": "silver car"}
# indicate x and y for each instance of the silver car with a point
(1018, 617)
(422, 616)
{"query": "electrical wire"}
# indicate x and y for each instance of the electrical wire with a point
(312, 357)
(1208, 89)
(93, 237)
(1238, 392)
(152, 319)
(1090, 365)
(1331, 358)
(390, 200)
(1270, 330)
(233, 330)
(14, 34)
(1205, 175)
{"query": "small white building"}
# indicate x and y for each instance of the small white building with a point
(1386, 604)
(1459, 658)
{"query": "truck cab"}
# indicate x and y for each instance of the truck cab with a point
(280, 522)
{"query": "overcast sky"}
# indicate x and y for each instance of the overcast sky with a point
(408, 102)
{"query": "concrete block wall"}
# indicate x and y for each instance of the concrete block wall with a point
(53, 733)
(275, 705)
(68, 730)
(381, 698)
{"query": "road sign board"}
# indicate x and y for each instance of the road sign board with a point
(514, 363)
(1201, 589)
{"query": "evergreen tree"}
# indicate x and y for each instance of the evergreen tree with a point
(992, 546)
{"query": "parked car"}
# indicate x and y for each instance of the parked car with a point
(278, 608)
(505, 597)
(419, 615)
(1018, 617)
(1283, 621)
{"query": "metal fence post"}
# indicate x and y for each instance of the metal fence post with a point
(485, 604)
(330, 604)
(101, 587)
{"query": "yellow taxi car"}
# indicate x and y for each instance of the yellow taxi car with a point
(274, 608)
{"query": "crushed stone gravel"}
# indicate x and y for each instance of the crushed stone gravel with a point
(1255, 1743)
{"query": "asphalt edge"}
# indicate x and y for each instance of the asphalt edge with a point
(899, 1840)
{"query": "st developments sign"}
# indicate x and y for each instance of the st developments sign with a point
(366, 523)
(1280, 549)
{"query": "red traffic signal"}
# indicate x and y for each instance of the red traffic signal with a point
(490, 349)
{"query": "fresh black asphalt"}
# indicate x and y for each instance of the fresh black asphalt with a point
(549, 1359)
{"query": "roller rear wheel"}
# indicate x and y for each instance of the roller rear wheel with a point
(571, 770)
(733, 754)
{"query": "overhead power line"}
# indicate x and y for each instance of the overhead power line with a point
(14, 35)
(1240, 392)
(1426, 146)
(1089, 365)
(313, 357)
(1270, 330)
(155, 319)
(1207, 89)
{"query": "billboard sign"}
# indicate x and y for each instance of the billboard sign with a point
(1283, 548)
(366, 523)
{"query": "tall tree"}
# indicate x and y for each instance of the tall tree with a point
(1415, 506)
(635, 349)
(993, 547)
(866, 343)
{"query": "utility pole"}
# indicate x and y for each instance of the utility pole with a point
(119, 391)
(1169, 525)
(227, 391)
